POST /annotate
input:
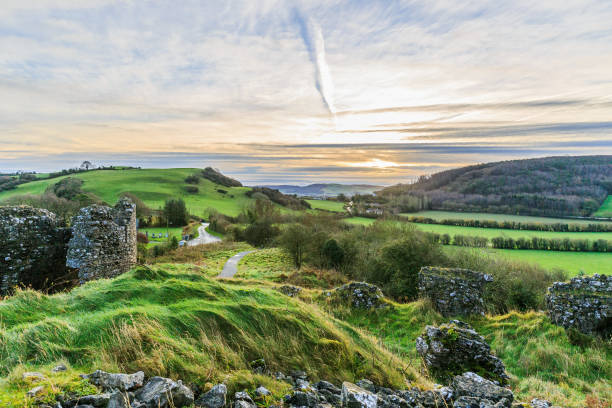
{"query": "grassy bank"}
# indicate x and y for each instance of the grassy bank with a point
(539, 357)
(606, 208)
(327, 205)
(171, 320)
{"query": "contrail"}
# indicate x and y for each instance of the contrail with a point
(312, 36)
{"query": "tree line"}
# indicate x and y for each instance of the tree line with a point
(517, 225)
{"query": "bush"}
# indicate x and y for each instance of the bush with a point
(192, 189)
(333, 253)
(295, 241)
(260, 233)
(142, 238)
(193, 179)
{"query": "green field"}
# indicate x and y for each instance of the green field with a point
(606, 208)
(153, 186)
(450, 215)
(360, 221)
(499, 232)
(327, 205)
(172, 232)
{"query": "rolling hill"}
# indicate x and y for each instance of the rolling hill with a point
(551, 186)
(153, 186)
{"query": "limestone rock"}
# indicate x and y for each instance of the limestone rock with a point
(453, 291)
(215, 398)
(360, 295)
(35, 391)
(289, 290)
(356, 397)
(58, 368)
(455, 348)
(480, 389)
(161, 392)
(302, 399)
(583, 303)
(116, 382)
(96, 401)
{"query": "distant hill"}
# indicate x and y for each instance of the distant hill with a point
(325, 189)
(551, 186)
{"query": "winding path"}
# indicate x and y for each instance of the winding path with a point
(204, 237)
(231, 266)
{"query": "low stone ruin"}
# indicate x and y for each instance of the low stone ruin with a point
(455, 348)
(583, 303)
(37, 252)
(32, 248)
(103, 241)
(359, 295)
(453, 291)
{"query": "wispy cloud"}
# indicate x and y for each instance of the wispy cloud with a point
(111, 76)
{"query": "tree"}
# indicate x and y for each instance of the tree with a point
(294, 241)
(86, 165)
(333, 253)
(175, 212)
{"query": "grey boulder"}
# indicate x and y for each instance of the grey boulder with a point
(215, 398)
(161, 392)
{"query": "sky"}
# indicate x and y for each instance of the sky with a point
(282, 91)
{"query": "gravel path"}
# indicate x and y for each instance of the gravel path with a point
(203, 237)
(231, 266)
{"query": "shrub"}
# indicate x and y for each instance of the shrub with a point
(192, 189)
(295, 241)
(142, 238)
(333, 253)
(193, 179)
(260, 233)
(175, 213)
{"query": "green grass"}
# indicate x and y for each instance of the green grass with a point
(269, 264)
(153, 186)
(499, 232)
(170, 320)
(172, 232)
(538, 355)
(606, 208)
(451, 215)
(327, 205)
(572, 262)
(360, 221)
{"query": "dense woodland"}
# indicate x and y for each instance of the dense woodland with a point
(551, 186)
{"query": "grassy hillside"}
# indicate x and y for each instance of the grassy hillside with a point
(550, 186)
(171, 320)
(327, 205)
(606, 208)
(153, 186)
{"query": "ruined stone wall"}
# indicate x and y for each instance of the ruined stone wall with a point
(32, 249)
(453, 291)
(103, 243)
(583, 303)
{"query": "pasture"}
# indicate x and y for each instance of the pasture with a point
(606, 208)
(450, 215)
(327, 205)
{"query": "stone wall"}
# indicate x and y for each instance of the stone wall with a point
(583, 303)
(453, 291)
(32, 249)
(103, 243)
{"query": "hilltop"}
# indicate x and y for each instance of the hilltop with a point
(550, 186)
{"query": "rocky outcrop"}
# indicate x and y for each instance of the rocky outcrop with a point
(453, 291)
(583, 303)
(471, 390)
(291, 291)
(116, 382)
(103, 243)
(359, 295)
(32, 249)
(455, 348)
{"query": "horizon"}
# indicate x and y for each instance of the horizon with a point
(282, 91)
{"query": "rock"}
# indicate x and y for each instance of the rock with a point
(35, 391)
(360, 295)
(59, 368)
(540, 403)
(243, 404)
(97, 400)
(302, 399)
(116, 382)
(455, 348)
(119, 399)
(33, 376)
(473, 385)
(243, 396)
(474, 402)
(453, 291)
(262, 391)
(330, 392)
(302, 384)
(356, 397)
(583, 303)
(289, 290)
(298, 374)
(366, 385)
(215, 398)
(161, 392)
